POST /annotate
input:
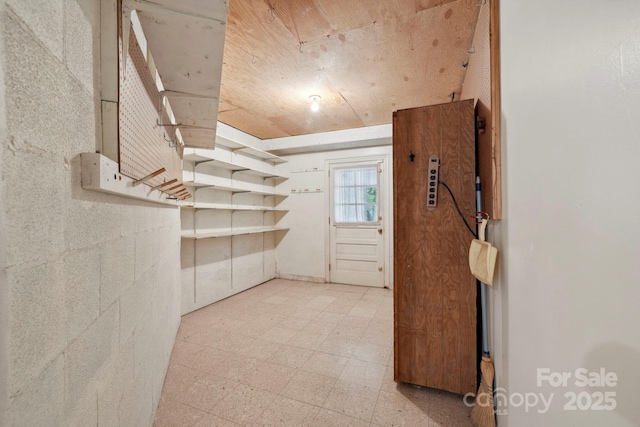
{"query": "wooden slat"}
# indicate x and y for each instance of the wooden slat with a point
(434, 291)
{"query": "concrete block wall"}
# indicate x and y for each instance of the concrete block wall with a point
(90, 294)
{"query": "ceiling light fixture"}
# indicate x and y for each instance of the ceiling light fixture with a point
(315, 102)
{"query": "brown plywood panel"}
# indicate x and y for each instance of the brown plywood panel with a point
(225, 105)
(242, 119)
(398, 63)
(276, 99)
(309, 20)
(365, 59)
(434, 291)
(302, 18)
(348, 15)
(252, 27)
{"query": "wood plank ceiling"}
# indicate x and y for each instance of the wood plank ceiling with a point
(365, 58)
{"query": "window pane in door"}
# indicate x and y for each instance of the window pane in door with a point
(356, 194)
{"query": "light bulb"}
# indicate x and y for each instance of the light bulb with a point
(315, 102)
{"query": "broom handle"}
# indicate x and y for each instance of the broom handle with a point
(485, 334)
(483, 287)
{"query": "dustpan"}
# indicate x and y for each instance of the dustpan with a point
(482, 257)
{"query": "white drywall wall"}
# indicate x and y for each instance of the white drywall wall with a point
(91, 281)
(569, 280)
(301, 252)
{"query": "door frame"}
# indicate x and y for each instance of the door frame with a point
(385, 208)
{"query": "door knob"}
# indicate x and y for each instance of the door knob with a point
(379, 230)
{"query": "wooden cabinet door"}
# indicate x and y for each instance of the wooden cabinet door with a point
(434, 291)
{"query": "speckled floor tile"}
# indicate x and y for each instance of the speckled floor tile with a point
(289, 353)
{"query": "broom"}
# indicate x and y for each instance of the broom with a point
(482, 414)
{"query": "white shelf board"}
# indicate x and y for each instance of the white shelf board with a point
(232, 207)
(227, 233)
(224, 165)
(197, 154)
(264, 175)
(187, 68)
(99, 173)
(198, 179)
(239, 168)
(236, 146)
(230, 161)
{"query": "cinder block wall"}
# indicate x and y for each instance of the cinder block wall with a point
(90, 301)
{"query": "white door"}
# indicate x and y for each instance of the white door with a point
(355, 224)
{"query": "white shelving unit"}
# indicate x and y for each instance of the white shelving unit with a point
(203, 179)
(238, 160)
(230, 207)
(230, 224)
(229, 233)
(235, 178)
(239, 147)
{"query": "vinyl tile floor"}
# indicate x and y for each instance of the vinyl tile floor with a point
(288, 353)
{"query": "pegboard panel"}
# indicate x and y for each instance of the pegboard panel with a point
(144, 146)
(478, 86)
(477, 80)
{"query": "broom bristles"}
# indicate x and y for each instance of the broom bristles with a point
(482, 414)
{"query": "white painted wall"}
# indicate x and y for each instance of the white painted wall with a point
(569, 285)
(90, 282)
(214, 269)
(301, 254)
(368, 136)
